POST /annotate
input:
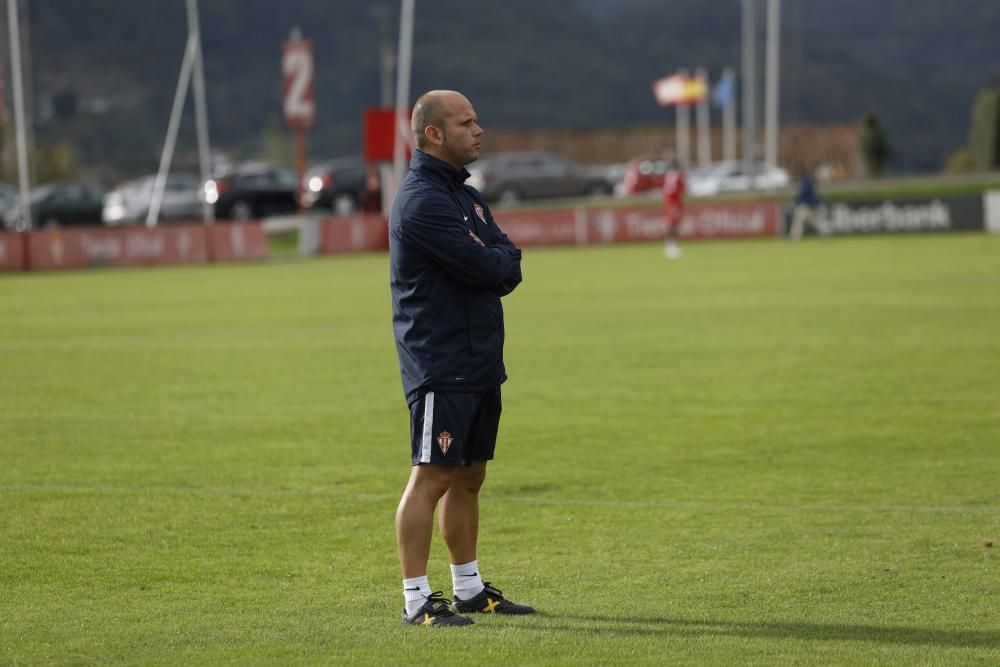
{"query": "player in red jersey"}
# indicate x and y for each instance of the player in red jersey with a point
(673, 207)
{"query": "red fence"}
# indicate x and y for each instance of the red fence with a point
(76, 248)
(575, 226)
(355, 233)
(11, 252)
(629, 224)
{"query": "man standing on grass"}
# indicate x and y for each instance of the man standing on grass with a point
(449, 266)
(673, 207)
(805, 207)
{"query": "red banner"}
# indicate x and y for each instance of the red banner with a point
(622, 225)
(60, 248)
(380, 137)
(238, 241)
(562, 227)
(75, 248)
(12, 252)
(69, 248)
(354, 233)
(576, 226)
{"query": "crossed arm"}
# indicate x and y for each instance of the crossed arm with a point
(444, 237)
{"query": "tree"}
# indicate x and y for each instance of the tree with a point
(960, 162)
(56, 163)
(874, 145)
(276, 143)
(984, 132)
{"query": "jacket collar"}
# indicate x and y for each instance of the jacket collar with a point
(428, 164)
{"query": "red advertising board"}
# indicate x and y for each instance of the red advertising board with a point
(299, 89)
(620, 225)
(67, 248)
(379, 124)
(561, 227)
(238, 241)
(12, 251)
(576, 226)
(354, 233)
(707, 221)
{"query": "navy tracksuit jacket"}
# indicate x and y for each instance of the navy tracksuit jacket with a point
(446, 288)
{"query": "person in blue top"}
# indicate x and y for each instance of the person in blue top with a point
(805, 207)
(449, 266)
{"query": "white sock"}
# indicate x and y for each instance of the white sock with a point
(466, 581)
(416, 591)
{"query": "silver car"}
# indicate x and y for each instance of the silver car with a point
(732, 177)
(129, 202)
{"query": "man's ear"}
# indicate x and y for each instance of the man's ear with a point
(434, 135)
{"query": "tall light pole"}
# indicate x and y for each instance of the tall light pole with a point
(402, 129)
(683, 128)
(190, 69)
(771, 92)
(387, 62)
(27, 73)
(704, 130)
(14, 29)
(749, 85)
(729, 118)
(200, 107)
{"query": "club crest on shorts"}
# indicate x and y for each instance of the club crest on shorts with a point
(481, 213)
(444, 441)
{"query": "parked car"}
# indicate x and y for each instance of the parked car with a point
(343, 185)
(8, 198)
(129, 202)
(732, 177)
(60, 204)
(645, 176)
(251, 190)
(511, 177)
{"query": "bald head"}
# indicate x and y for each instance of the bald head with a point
(427, 111)
(430, 110)
(445, 125)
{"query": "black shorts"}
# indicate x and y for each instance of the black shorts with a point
(454, 428)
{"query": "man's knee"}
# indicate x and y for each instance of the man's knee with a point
(431, 480)
(469, 479)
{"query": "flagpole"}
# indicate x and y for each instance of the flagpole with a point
(771, 92)
(748, 87)
(200, 107)
(729, 118)
(683, 128)
(704, 137)
(403, 60)
(167, 154)
(14, 29)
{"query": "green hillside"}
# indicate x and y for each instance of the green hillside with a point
(104, 71)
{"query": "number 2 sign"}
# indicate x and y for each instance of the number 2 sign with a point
(297, 71)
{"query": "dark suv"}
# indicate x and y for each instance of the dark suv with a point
(252, 190)
(60, 204)
(511, 177)
(344, 185)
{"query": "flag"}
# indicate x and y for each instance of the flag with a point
(723, 90)
(679, 89)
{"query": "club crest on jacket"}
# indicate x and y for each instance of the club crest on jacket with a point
(481, 213)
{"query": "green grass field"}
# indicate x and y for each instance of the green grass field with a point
(764, 453)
